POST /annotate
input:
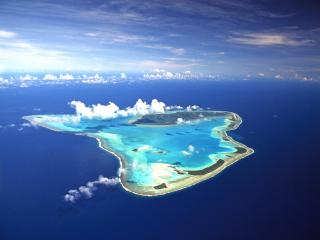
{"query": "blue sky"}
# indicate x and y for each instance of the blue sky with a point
(231, 38)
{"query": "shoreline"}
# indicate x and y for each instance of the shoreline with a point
(197, 179)
(234, 121)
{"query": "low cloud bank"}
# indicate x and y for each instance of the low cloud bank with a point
(4, 82)
(28, 77)
(88, 190)
(64, 77)
(111, 110)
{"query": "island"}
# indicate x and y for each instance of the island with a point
(163, 152)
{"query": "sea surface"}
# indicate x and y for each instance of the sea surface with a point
(272, 194)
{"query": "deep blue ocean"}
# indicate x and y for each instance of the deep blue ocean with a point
(272, 194)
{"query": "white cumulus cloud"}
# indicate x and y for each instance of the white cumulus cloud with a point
(27, 77)
(180, 120)
(18, 127)
(123, 76)
(193, 107)
(190, 150)
(157, 74)
(66, 77)
(4, 82)
(49, 77)
(111, 110)
(93, 79)
(88, 190)
(63, 77)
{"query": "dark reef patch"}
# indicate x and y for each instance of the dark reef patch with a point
(213, 167)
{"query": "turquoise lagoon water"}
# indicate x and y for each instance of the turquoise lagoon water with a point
(152, 155)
